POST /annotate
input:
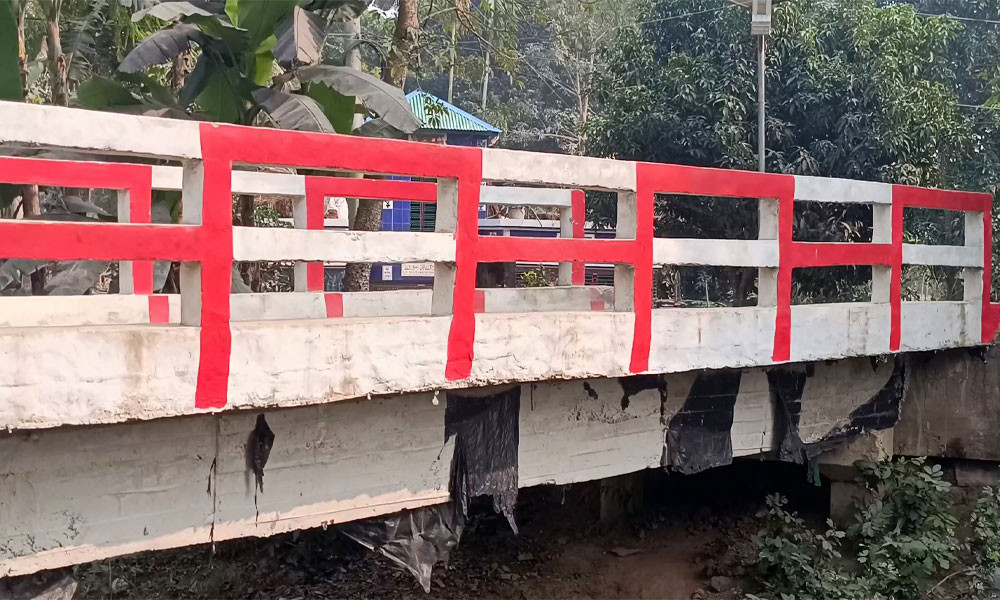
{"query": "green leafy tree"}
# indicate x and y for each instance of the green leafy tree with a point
(855, 90)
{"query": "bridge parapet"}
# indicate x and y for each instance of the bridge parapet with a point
(207, 350)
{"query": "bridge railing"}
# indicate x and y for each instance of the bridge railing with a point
(207, 243)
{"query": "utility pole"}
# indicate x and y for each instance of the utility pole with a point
(760, 27)
(761, 106)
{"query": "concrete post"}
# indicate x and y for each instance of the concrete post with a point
(192, 205)
(881, 234)
(767, 229)
(626, 228)
(446, 222)
(126, 284)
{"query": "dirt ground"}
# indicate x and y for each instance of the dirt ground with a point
(693, 539)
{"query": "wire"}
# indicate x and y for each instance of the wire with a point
(979, 106)
(970, 19)
(674, 17)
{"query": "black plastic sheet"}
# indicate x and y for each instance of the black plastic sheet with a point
(416, 540)
(699, 436)
(880, 412)
(486, 432)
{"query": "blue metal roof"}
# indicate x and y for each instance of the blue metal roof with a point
(452, 118)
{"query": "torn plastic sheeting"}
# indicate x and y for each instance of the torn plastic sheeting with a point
(699, 436)
(786, 396)
(638, 383)
(486, 431)
(882, 411)
(415, 539)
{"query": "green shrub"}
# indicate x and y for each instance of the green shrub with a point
(903, 540)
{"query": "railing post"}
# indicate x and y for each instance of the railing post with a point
(572, 220)
(767, 277)
(446, 221)
(975, 237)
(308, 212)
(192, 207)
(881, 234)
(126, 284)
(626, 228)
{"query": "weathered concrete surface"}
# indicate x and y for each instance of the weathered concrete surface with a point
(953, 406)
(76, 494)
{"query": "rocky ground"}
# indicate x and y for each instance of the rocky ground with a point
(693, 539)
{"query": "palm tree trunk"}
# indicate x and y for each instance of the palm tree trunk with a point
(57, 64)
(30, 201)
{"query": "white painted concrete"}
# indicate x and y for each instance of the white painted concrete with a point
(525, 196)
(152, 485)
(125, 309)
(37, 125)
(258, 243)
(64, 311)
(289, 184)
(948, 256)
(829, 189)
(722, 253)
(107, 374)
(538, 168)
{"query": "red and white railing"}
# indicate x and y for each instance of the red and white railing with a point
(207, 244)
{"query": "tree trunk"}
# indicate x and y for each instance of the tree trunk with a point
(57, 64)
(30, 201)
(22, 52)
(245, 206)
(178, 72)
(368, 216)
(403, 40)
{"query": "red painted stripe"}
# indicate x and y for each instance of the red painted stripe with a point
(140, 211)
(991, 311)
(642, 261)
(159, 309)
(353, 153)
(699, 181)
(462, 334)
(941, 199)
(896, 276)
(100, 241)
(677, 179)
(315, 214)
(805, 254)
(334, 305)
(115, 176)
(479, 302)
(509, 249)
(578, 212)
(377, 189)
(258, 145)
(216, 270)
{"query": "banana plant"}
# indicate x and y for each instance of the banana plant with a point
(257, 59)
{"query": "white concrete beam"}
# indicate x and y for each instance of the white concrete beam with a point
(274, 243)
(42, 126)
(722, 253)
(538, 168)
(845, 191)
(946, 256)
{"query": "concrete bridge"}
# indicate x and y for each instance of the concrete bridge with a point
(141, 421)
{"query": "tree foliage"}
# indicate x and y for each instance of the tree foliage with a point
(856, 88)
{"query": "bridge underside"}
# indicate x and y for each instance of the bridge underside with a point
(76, 494)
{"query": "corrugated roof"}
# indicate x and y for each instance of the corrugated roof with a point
(451, 118)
